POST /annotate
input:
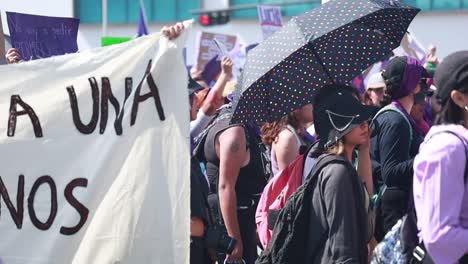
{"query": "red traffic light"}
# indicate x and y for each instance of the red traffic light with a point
(204, 20)
(214, 18)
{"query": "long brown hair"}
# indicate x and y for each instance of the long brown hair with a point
(337, 149)
(270, 131)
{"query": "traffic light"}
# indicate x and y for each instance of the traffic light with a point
(214, 18)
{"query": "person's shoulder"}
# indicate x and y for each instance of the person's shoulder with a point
(285, 137)
(336, 170)
(391, 117)
(391, 120)
(446, 138)
(234, 131)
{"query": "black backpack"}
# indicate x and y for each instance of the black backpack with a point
(289, 241)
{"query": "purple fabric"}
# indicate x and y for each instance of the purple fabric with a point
(422, 127)
(37, 37)
(212, 69)
(256, 128)
(310, 139)
(440, 195)
(402, 109)
(142, 28)
(411, 76)
(358, 83)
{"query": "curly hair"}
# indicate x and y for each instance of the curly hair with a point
(270, 131)
(392, 86)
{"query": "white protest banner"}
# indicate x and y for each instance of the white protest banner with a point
(94, 156)
(270, 19)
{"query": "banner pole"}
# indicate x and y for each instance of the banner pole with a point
(104, 18)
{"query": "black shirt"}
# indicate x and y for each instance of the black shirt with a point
(251, 179)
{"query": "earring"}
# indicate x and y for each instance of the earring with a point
(466, 108)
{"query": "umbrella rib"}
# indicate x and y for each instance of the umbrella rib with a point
(321, 62)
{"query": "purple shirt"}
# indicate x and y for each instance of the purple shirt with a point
(440, 195)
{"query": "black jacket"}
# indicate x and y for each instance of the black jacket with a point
(338, 211)
(392, 151)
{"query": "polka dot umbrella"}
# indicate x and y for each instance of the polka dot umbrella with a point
(332, 43)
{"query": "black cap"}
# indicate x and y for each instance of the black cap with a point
(337, 113)
(451, 74)
(193, 86)
(404, 72)
(397, 65)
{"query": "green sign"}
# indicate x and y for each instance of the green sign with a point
(107, 41)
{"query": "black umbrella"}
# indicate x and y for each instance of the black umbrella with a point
(332, 43)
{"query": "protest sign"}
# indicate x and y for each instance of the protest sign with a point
(270, 19)
(108, 41)
(38, 37)
(207, 48)
(222, 49)
(94, 156)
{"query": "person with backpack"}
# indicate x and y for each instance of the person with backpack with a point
(237, 173)
(440, 169)
(325, 220)
(395, 142)
(286, 136)
(206, 238)
(340, 198)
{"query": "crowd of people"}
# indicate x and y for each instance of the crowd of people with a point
(399, 150)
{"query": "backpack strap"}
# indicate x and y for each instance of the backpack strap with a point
(296, 136)
(375, 200)
(322, 162)
(198, 150)
(393, 108)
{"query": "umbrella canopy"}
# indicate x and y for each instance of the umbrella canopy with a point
(332, 43)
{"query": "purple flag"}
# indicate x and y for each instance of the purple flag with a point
(41, 37)
(142, 27)
(358, 83)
